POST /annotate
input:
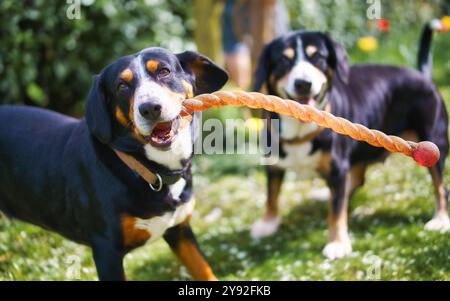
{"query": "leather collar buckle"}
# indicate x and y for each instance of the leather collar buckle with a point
(159, 183)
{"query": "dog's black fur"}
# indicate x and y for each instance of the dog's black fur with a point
(391, 99)
(62, 174)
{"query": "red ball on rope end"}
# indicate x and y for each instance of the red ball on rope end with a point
(426, 154)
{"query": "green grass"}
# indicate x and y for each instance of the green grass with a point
(386, 220)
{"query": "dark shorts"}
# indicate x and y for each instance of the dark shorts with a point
(230, 41)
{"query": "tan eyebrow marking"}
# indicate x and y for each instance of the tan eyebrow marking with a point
(126, 75)
(289, 53)
(152, 65)
(310, 50)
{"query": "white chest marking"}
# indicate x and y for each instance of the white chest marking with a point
(177, 188)
(292, 128)
(156, 226)
(298, 156)
(299, 159)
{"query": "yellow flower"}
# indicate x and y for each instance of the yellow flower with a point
(254, 124)
(446, 22)
(368, 43)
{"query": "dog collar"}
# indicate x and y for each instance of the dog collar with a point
(156, 180)
(156, 175)
(153, 179)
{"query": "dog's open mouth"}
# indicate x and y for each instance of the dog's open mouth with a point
(304, 99)
(164, 133)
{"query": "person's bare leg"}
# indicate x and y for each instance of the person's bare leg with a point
(239, 69)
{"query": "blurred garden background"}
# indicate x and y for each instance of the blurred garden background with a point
(48, 60)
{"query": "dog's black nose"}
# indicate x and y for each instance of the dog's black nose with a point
(302, 86)
(150, 110)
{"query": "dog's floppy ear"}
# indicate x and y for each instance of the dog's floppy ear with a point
(263, 69)
(208, 76)
(97, 114)
(338, 58)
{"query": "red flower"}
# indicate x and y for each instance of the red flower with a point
(384, 25)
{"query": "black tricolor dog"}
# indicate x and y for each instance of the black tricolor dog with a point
(63, 173)
(311, 68)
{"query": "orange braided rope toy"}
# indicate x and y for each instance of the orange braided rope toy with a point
(425, 153)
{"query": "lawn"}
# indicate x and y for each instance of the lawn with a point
(386, 223)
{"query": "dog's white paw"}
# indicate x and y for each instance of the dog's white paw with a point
(337, 249)
(265, 227)
(320, 194)
(441, 222)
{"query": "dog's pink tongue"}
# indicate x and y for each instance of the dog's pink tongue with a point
(311, 102)
(162, 130)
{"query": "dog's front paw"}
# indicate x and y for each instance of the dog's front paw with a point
(440, 222)
(265, 227)
(337, 249)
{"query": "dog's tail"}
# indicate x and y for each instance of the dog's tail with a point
(425, 58)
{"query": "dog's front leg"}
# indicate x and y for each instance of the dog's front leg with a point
(108, 260)
(339, 244)
(183, 243)
(269, 224)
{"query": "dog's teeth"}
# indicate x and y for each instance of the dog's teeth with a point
(176, 123)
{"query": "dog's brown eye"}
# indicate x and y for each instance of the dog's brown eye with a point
(317, 58)
(315, 55)
(163, 72)
(122, 87)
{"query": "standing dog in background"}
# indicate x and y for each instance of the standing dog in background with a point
(311, 68)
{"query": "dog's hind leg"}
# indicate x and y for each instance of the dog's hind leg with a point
(269, 224)
(433, 121)
(438, 134)
(183, 243)
(440, 221)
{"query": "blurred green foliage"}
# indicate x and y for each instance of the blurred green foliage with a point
(347, 21)
(46, 59)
